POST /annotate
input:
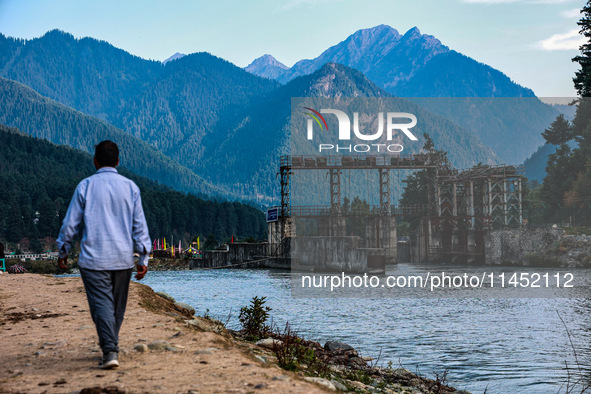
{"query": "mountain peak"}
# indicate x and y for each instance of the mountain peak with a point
(266, 60)
(414, 32)
(266, 66)
(377, 31)
(335, 80)
(176, 56)
(59, 34)
(373, 38)
(383, 27)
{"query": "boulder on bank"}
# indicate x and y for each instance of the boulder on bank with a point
(166, 296)
(141, 347)
(333, 346)
(186, 307)
(322, 382)
(269, 343)
(158, 345)
(208, 325)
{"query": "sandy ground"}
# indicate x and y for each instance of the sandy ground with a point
(49, 344)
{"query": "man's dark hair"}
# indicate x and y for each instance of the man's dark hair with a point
(106, 154)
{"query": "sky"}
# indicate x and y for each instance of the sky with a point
(532, 41)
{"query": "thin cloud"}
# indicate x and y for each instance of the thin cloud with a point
(563, 42)
(574, 13)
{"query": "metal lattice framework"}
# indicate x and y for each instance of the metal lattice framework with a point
(480, 198)
(462, 204)
(385, 191)
(335, 164)
(285, 175)
(477, 198)
(335, 190)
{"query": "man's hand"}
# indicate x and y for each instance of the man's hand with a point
(63, 263)
(141, 272)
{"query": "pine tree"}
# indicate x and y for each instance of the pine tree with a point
(35, 245)
(568, 179)
(14, 222)
(559, 168)
(582, 79)
(419, 183)
(560, 131)
(582, 82)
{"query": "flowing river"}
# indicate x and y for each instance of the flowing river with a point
(501, 345)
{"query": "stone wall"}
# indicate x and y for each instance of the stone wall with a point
(510, 246)
(537, 247)
(336, 254)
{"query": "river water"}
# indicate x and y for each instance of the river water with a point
(511, 345)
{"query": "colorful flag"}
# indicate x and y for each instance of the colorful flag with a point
(198, 243)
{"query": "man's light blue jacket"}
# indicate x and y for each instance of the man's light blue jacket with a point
(108, 206)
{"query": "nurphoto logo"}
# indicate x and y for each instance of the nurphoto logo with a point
(393, 125)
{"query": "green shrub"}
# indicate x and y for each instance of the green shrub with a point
(294, 353)
(254, 318)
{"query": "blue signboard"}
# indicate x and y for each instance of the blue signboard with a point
(272, 214)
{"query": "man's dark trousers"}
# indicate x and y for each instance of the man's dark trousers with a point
(107, 298)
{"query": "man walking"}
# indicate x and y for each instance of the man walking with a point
(109, 208)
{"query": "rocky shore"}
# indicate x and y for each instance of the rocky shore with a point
(49, 345)
(343, 369)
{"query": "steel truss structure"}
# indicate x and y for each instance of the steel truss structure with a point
(480, 198)
(462, 204)
(335, 166)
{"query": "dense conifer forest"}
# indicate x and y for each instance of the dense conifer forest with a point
(38, 178)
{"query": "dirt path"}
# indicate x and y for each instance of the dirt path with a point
(49, 344)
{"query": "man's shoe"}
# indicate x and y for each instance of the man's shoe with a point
(110, 361)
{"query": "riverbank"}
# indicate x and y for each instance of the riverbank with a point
(50, 345)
